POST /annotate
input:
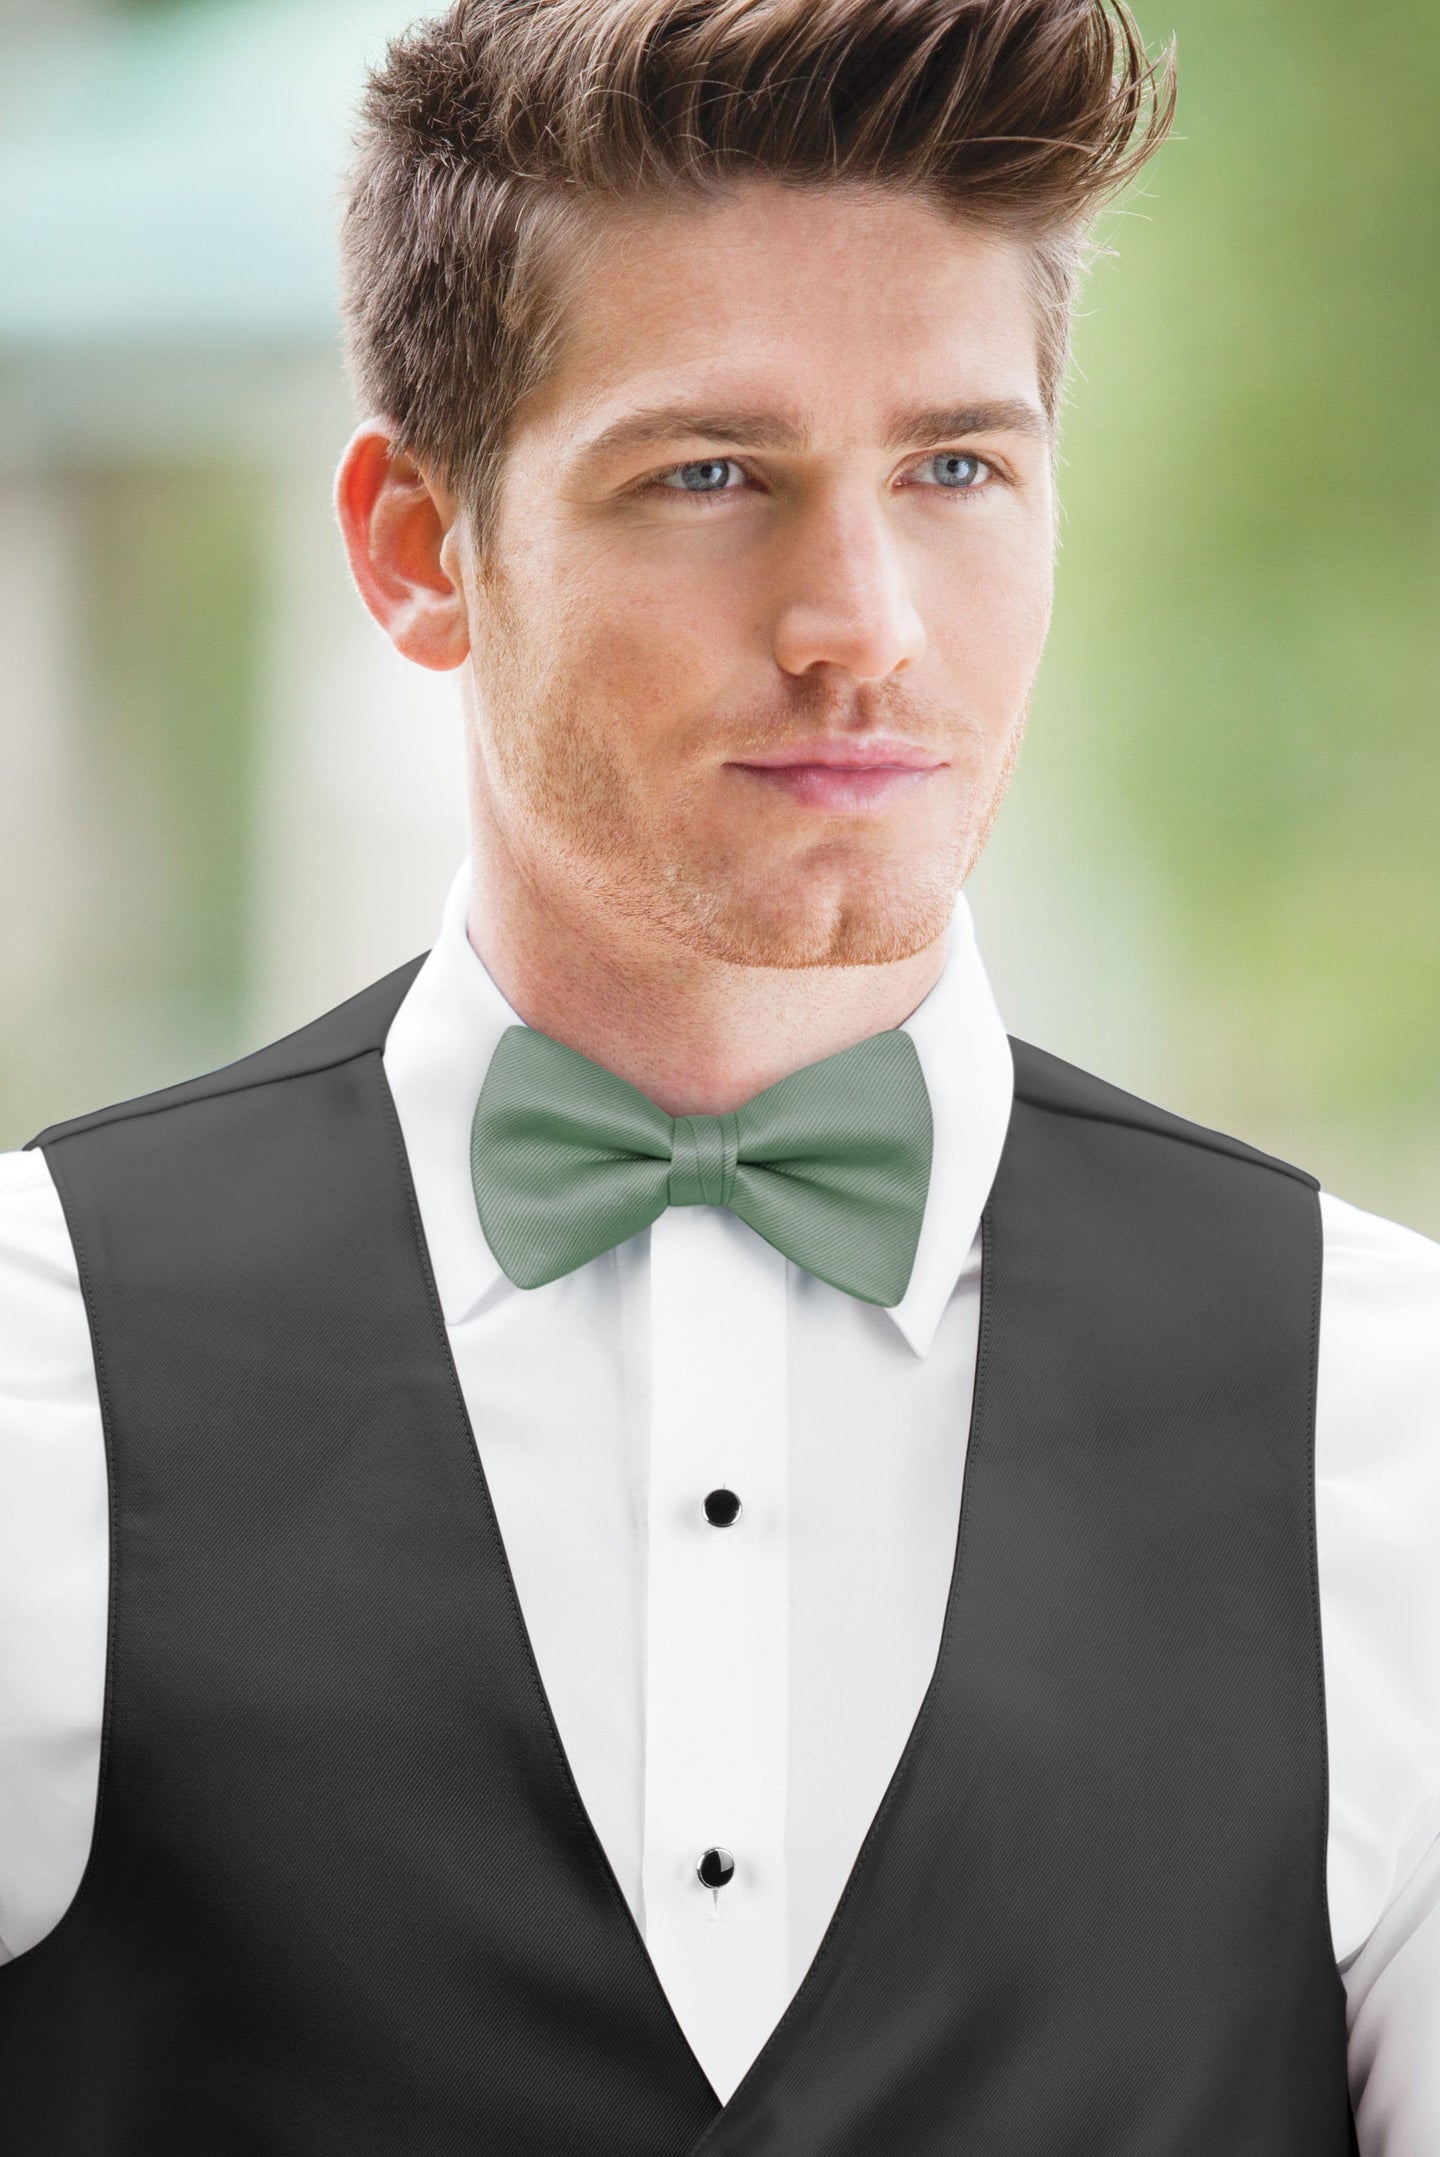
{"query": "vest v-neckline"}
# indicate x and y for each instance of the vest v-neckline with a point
(771, 2059)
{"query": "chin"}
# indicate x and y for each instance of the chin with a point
(877, 922)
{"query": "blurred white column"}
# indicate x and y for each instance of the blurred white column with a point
(42, 841)
(359, 805)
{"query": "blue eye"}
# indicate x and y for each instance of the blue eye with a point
(959, 470)
(695, 479)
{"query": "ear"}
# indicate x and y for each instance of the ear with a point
(395, 523)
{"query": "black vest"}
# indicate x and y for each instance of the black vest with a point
(344, 1899)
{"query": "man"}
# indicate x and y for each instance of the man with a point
(555, 1698)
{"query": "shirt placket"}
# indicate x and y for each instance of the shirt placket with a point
(717, 1651)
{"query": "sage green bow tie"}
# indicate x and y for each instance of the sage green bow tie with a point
(831, 1165)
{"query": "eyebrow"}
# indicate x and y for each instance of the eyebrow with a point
(767, 430)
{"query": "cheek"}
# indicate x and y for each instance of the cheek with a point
(650, 660)
(989, 625)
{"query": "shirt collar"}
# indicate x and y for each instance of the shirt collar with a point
(965, 1055)
(441, 1039)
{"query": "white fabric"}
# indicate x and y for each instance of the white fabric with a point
(730, 1685)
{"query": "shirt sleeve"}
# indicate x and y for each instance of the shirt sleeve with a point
(54, 1560)
(1377, 1458)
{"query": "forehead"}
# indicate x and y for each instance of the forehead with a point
(833, 302)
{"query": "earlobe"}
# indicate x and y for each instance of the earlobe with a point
(395, 523)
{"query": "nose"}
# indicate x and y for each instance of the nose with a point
(844, 597)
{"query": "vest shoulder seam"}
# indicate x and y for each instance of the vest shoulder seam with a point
(1237, 1151)
(369, 1012)
(1143, 1116)
(144, 1105)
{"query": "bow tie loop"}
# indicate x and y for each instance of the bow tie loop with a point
(830, 1165)
(704, 1157)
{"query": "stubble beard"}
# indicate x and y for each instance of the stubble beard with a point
(583, 828)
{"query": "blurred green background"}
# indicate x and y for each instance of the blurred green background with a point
(224, 804)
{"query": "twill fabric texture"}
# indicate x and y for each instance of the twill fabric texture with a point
(343, 1893)
(831, 1165)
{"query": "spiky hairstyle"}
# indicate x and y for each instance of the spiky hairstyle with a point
(490, 134)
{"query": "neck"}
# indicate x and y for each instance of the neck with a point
(699, 1037)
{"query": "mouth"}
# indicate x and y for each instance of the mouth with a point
(848, 775)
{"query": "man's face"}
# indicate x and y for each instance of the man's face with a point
(770, 578)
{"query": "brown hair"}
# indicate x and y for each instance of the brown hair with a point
(488, 134)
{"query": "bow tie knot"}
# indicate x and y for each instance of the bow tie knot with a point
(830, 1165)
(704, 1156)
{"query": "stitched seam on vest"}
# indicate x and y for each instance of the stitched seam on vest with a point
(122, 1112)
(181, 1095)
(1312, 1539)
(1247, 1157)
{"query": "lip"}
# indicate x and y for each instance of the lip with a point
(848, 752)
(843, 775)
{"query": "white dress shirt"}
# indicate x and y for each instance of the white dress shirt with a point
(753, 1687)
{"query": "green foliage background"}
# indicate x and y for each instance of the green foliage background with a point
(1245, 661)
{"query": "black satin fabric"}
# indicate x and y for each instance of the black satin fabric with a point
(344, 1897)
